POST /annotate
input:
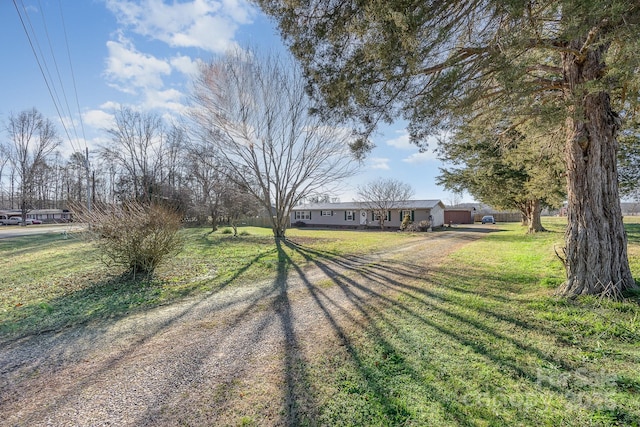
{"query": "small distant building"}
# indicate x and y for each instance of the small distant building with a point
(44, 215)
(356, 214)
(458, 216)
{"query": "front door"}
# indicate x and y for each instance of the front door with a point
(363, 217)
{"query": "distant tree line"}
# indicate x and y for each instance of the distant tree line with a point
(247, 145)
(146, 160)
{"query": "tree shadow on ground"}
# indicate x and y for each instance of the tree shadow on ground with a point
(414, 341)
(633, 233)
(296, 376)
(107, 299)
(105, 304)
(386, 294)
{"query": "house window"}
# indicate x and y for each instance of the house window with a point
(302, 215)
(326, 213)
(349, 215)
(405, 213)
(387, 215)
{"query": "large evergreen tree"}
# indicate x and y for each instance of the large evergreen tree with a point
(506, 169)
(441, 63)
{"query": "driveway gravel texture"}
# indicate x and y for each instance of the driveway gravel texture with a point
(232, 357)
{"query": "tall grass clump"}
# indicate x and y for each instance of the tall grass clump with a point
(133, 235)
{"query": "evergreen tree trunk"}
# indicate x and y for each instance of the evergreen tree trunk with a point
(596, 244)
(534, 223)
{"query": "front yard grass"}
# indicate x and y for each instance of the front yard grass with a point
(53, 281)
(478, 340)
(482, 341)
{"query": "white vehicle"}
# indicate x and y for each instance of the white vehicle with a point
(9, 221)
(29, 221)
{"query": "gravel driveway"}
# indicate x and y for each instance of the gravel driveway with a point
(228, 358)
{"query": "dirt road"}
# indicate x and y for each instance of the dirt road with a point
(10, 231)
(232, 357)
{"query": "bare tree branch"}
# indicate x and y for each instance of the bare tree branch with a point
(32, 139)
(253, 113)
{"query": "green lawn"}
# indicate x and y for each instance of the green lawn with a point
(51, 281)
(483, 341)
(479, 340)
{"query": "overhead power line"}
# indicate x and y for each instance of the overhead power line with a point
(41, 60)
(41, 66)
(73, 77)
(57, 70)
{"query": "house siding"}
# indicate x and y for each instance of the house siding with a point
(438, 216)
(337, 219)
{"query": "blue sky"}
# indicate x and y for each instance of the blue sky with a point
(142, 54)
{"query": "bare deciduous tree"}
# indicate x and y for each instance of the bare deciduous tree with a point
(32, 138)
(137, 149)
(4, 159)
(237, 203)
(253, 113)
(382, 195)
(208, 186)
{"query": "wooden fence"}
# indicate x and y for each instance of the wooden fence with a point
(255, 222)
(500, 216)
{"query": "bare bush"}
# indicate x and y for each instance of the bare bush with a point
(421, 226)
(134, 235)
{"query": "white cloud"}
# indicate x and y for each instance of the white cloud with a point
(134, 72)
(424, 157)
(206, 24)
(98, 119)
(401, 141)
(129, 69)
(210, 25)
(185, 64)
(212, 33)
(110, 105)
(239, 10)
(379, 163)
(169, 99)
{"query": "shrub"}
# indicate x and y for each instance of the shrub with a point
(133, 235)
(406, 221)
(226, 231)
(299, 224)
(422, 226)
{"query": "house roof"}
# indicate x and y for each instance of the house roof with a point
(409, 204)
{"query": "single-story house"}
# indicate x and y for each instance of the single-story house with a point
(45, 215)
(356, 214)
